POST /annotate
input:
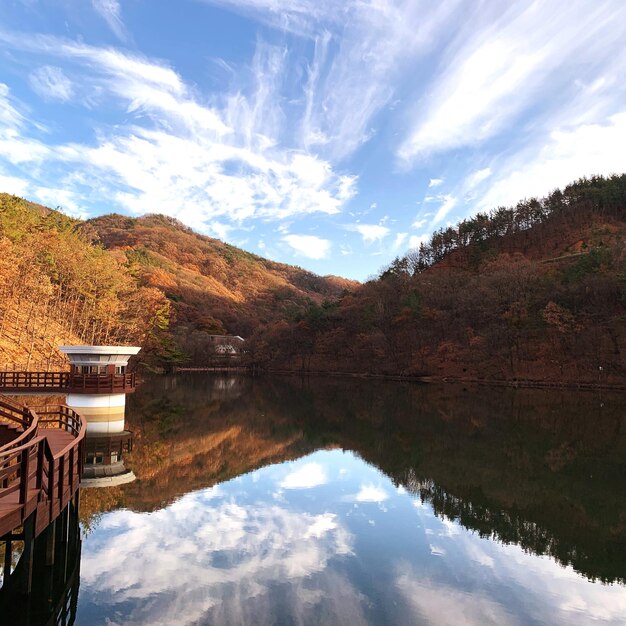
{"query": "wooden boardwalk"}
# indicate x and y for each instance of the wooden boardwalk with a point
(40, 465)
(66, 382)
(51, 598)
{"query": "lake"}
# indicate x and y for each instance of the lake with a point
(280, 500)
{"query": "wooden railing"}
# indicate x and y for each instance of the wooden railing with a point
(34, 477)
(19, 418)
(106, 445)
(19, 381)
(101, 383)
(67, 382)
(61, 417)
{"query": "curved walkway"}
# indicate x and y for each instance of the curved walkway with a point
(41, 458)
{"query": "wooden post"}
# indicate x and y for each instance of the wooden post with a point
(26, 579)
(51, 475)
(8, 558)
(71, 473)
(65, 520)
(45, 570)
(24, 469)
(61, 478)
(61, 545)
(50, 542)
(40, 458)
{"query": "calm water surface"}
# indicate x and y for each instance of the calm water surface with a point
(282, 501)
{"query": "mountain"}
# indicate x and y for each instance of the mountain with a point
(150, 281)
(55, 287)
(533, 293)
(214, 287)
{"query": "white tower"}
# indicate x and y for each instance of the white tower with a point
(97, 388)
(99, 383)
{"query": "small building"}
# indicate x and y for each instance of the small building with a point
(102, 360)
(227, 345)
(99, 384)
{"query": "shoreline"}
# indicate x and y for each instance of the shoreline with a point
(520, 383)
(497, 382)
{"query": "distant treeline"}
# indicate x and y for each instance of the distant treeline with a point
(535, 292)
(587, 196)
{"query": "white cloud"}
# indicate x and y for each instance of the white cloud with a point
(504, 59)
(399, 240)
(449, 202)
(371, 232)
(13, 185)
(64, 198)
(111, 13)
(221, 556)
(10, 118)
(566, 155)
(360, 51)
(263, 544)
(477, 553)
(221, 230)
(477, 177)
(51, 83)
(440, 604)
(305, 477)
(538, 588)
(322, 525)
(188, 158)
(371, 493)
(309, 245)
(274, 144)
(416, 240)
(298, 17)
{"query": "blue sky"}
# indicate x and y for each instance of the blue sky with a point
(333, 135)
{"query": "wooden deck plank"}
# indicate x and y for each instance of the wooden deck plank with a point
(57, 439)
(8, 433)
(12, 512)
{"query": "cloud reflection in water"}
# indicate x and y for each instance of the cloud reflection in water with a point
(325, 552)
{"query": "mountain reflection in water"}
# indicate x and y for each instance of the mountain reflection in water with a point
(338, 501)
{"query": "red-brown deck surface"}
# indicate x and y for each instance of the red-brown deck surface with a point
(52, 472)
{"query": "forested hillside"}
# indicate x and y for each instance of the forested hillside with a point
(56, 287)
(213, 287)
(149, 281)
(535, 292)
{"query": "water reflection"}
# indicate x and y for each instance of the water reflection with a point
(55, 564)
(105, 459)
(107, 443)
(333, 501)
